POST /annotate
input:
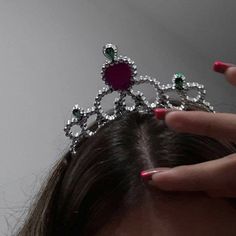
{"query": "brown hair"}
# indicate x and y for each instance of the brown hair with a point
(80, 194)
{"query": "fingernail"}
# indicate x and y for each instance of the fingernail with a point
(147, 174)
(221, 67)
(160, 113)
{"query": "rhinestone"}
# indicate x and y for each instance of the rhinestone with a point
(109, 52)
(179, 83)
(74, 120)
(76, 112)
(119, 76)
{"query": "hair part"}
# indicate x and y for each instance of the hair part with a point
(81, 192)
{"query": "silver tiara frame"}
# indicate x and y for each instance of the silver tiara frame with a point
(141, 103)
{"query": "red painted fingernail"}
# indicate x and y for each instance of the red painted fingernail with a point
(147, 174)
(221, 67)
(160, 113)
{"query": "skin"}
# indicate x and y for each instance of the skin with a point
(198, 205)
(182, 214)
(218, 177)
(201, 208)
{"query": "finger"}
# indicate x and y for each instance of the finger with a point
(230, 75)
(216, 177)
(221, 67)
(215, 125)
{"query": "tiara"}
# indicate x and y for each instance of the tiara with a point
(120, 74)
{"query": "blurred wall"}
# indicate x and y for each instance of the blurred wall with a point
(51, 57)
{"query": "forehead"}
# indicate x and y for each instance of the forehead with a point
(183, 214)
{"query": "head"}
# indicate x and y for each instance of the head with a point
(99, 192)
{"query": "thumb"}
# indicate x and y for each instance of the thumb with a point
(215, 177)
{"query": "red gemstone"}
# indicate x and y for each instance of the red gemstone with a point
(118, 76)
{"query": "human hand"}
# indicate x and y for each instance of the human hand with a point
(217, 177)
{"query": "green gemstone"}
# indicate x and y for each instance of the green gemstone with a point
(110, 53)
(181, 75)
(179, 82)
(77, 113)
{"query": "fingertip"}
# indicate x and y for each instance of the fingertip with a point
(174, 119)
(221, 67)
(231, 75)
(166, 180)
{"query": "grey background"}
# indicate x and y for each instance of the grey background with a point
(51, 57)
